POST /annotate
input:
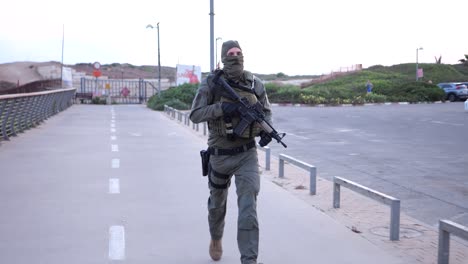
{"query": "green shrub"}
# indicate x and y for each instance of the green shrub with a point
(99, 100)
(312, 99)
(375, 98)
(358, 100)
(179, 97)
(417, 92)
(177, 104)
(283, 93)
(272, 88)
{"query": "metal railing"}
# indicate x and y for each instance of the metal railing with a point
(446, 228)
(312, 171)
(378, 196)
(19, 112)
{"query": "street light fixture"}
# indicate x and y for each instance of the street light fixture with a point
(159, 59)
(417, 57)
(217, 63)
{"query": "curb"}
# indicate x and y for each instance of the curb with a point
(352, 105)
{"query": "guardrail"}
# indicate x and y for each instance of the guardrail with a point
(446, 228)
(378, 196)
(19, 112)
(312, 170)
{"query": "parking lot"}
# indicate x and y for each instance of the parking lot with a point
(417, 153)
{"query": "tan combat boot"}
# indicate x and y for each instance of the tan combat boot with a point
(216, 249)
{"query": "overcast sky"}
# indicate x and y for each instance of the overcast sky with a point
(294, 37)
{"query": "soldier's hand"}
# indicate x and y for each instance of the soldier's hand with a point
(230, 108)
(265, 138)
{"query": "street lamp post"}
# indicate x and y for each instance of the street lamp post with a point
(217, 64)
(417, 57)
(159, 59)
(211, 34)
(61, 68)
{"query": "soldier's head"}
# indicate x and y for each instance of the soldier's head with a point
(233, 60)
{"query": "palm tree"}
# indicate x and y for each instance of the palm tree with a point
(465, 60)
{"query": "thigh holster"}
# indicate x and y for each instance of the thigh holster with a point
(219, 177)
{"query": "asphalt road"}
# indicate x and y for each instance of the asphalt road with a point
(417, 153)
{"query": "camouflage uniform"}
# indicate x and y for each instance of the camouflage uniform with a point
(244, 165)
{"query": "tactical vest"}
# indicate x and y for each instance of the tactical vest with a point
(221, 126)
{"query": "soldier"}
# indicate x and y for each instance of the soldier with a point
(232, 155)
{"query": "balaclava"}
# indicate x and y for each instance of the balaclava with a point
(233, 65)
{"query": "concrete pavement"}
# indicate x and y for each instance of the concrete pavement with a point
(97, 184)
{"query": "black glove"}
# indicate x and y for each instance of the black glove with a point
(230, 109)
(265, 138)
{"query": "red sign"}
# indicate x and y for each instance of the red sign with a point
(125, 92)
(420, 73)
(96, 73)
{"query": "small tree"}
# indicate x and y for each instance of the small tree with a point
(280, 75)
(465, 60)
(438, 60)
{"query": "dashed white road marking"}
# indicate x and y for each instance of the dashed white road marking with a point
(116, 243)
(114, 186)
(446, 123)
(116, 233)
(345, 130)
(115, 163)
(294, 135)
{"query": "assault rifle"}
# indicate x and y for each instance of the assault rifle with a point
(249, 113)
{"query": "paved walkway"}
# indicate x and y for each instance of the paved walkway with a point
(99, 184)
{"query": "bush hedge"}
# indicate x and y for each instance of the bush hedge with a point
(179, 97)
(390, 84)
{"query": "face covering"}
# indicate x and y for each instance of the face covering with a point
(233, 67)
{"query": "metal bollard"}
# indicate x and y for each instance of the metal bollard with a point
(395, 220)
(281, 168)
(267, 158)
(336, 195)
(313, 181)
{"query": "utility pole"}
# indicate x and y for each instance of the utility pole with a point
(211, 36)
(159, 65)
(159, 59)
(61, 66)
